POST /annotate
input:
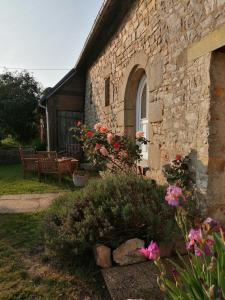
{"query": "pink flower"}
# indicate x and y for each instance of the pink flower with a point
(110, 138)
(198, 251)
(173, 195)
(98, 146)
(152, 252)
(78, 123)
(195, 235)
(104, 151)
(97, 126)
(103, 129)
(139, 134)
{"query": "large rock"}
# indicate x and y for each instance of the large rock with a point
(138, 281)
(127, 253)
(103, 256)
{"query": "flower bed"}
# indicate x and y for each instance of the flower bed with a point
(204, 276)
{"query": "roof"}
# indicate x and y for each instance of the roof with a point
(53, 90)
(106, 24)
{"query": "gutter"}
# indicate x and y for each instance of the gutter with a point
(47, 123)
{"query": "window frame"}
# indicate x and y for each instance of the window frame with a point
(107, 91)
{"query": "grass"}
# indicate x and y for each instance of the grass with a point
(27, 273)
(12, 182)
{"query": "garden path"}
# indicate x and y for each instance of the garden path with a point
(26, 202)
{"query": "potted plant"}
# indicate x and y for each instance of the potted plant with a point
(80, 178)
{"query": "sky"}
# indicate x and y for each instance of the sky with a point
(44, 34)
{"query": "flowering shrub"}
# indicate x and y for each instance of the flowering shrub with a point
(107, 150)
(203, 277)
(177, 172)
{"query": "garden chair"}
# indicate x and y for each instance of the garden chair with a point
(47, 154)
(51, 166)
(72, 151)
(28, 160)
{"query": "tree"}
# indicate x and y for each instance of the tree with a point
(19, 95)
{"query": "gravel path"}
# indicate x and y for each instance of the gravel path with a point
(26, 202)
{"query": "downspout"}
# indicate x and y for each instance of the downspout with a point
(47, 123)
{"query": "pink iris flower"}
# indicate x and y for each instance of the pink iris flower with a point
(195, 235)
(198, 251)
(151, 252)
(173, 195)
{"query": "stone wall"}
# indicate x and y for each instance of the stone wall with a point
(157, 36)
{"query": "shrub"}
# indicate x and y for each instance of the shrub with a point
(108, 211)
(108, 150)
(38, 145)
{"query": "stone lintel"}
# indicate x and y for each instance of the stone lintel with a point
(208, 43)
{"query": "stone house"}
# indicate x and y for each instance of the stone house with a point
(159, 66)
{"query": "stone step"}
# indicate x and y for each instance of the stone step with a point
(137, 281)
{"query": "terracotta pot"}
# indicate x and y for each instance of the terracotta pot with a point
(80, 180)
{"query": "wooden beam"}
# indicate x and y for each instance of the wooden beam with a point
(70, 93)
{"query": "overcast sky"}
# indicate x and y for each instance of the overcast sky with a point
(49, 34)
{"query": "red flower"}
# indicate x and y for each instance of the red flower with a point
(178, 157)
(90, 134)
(116, 146)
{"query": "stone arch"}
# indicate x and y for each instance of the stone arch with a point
(130, 98)
(132, 76)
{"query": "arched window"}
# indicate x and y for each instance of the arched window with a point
(142, 112)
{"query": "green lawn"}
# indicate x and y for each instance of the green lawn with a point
(27, 273)
(12, 182)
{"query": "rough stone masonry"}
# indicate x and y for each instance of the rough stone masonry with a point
(178, 44)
